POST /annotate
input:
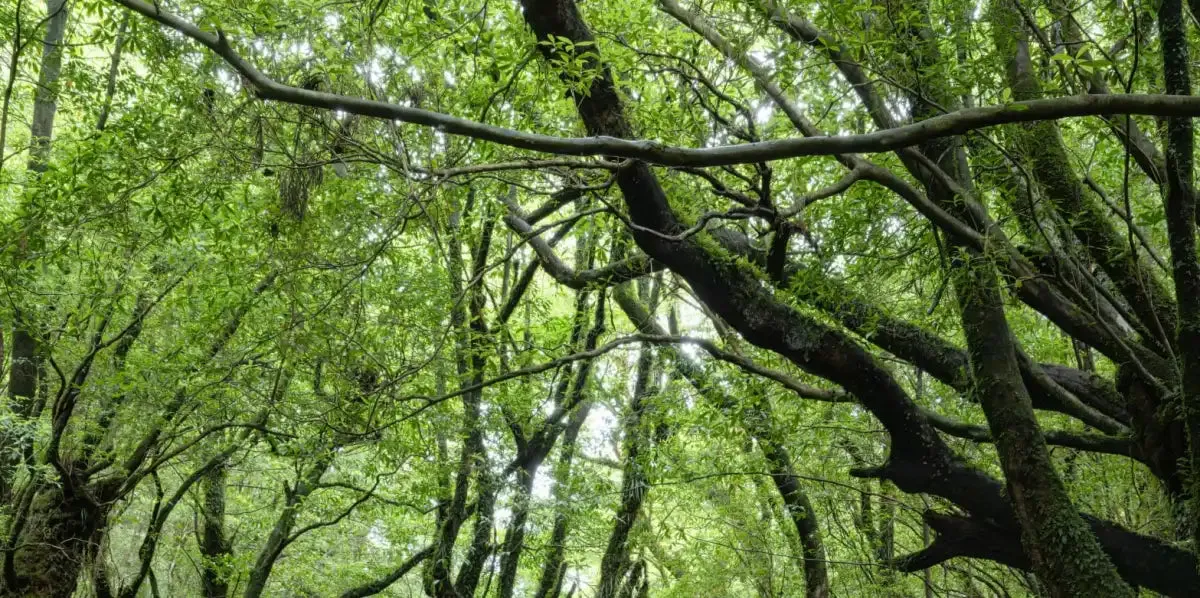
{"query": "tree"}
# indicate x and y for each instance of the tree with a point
(937, 257)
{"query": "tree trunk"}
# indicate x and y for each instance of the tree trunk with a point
(215, 548)
(615, 562)
(554, 567)
(514, 537)
(113, 68)
(62, 528)
(281, 533)
(45, 100)
(26, 353)
(480, 549)
(471, 331)
(1181, 232)
(1062, 550)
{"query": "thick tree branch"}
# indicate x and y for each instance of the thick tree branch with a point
(1036, 293)
(1096, 443)
(381, 584)
(615, 273)
(954, 123)
(1143, 561)
(919, 460)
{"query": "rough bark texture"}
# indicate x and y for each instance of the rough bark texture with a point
(1042, 145)
(62, 527)
(1062, 550)
(919, 460)
(214, 545)
(1181, 231)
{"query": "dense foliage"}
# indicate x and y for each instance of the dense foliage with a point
(555, 298)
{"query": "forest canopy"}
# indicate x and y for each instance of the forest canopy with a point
(555, 298)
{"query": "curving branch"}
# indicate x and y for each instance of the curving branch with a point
(1086, 397)
(379, 585)
(1143, 561)
(1095, 443)
(919, 461)
(953, 123)
(960, 536)
(1063, 310)
(615, 273)
(927, 349)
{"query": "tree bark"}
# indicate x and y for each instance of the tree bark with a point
(733, 294)
(26, 351)
(1063, 551)
(110, 88)
(215, 547)
(62, 527)
(1181, 232)
(514, 536)
(381, 584)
